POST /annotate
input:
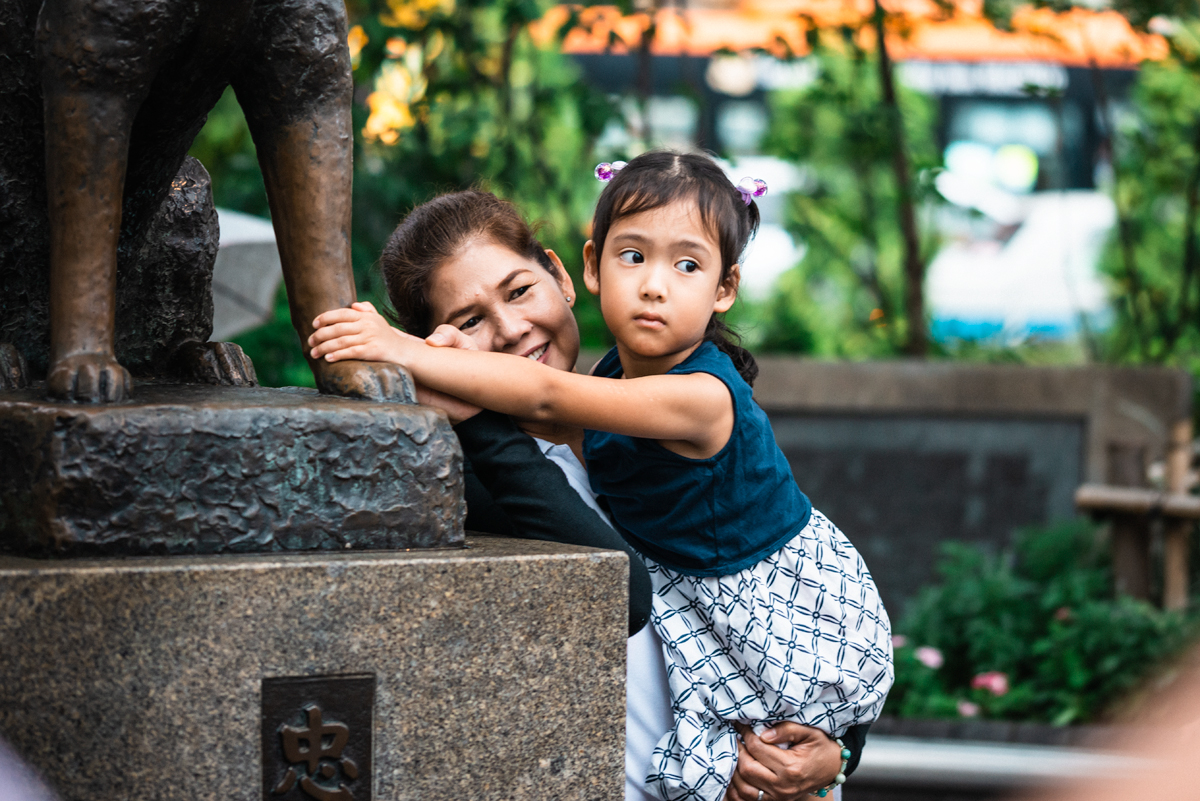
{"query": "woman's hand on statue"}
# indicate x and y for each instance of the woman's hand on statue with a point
(447, 336)
(358, 332)
(812, 761)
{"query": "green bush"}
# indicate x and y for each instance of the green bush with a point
(1035, 634)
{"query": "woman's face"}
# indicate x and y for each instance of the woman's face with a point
(507, 303)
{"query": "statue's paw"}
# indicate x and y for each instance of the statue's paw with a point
(89, 378)
(222, 363)
(14, 372)
(377, 381)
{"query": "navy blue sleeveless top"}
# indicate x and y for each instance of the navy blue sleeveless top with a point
(700, 517)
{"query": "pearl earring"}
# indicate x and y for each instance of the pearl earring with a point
(568, 298)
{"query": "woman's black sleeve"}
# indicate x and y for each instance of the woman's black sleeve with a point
(854, 739)
(539, 502)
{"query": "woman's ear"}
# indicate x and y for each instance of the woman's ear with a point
(564, 280)
(591, 268)
(728, 289)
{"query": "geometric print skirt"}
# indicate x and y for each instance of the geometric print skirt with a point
(801, 636)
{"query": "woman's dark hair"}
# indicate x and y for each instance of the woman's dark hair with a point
(434, 233)
(657, 178)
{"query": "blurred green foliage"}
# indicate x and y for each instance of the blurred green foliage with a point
(1046, 617)
(449, 94)
(1153, 259)
(845, 298)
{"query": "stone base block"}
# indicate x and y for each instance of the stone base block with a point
(199, 469)
(495, 672)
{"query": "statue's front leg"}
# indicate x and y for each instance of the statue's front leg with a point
(306, 167)
(296, 93)
(87, 138)
(97, 59)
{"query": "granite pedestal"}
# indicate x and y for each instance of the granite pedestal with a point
(497, 672)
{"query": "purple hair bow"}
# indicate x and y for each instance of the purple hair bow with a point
(605, 172)
(751, 188)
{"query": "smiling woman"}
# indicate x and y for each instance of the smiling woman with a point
(526, 312)
(444, 248)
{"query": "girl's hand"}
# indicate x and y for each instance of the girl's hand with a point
(810, 763)
(358, 332)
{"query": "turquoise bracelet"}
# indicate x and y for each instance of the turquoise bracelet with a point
(840, 779)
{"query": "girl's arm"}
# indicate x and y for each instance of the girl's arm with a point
(695, 410)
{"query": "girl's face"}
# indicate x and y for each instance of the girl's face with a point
(507, 303)
(659, 281)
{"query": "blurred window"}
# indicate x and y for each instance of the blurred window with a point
(1031, 124)
(673, 121)
(741, 125)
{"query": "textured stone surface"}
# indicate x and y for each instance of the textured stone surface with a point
(205, 469)
(500, 668)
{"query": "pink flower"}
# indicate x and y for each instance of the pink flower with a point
(899, 641)
(929, 656)
(1063, 614)
(993, 681)
(968, 710)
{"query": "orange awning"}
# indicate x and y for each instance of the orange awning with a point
(919, 29)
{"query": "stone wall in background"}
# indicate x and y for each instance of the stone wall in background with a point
(900, 486)
(904, 456)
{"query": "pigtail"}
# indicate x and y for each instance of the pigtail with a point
(729, 342)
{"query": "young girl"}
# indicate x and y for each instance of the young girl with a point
(766, 611)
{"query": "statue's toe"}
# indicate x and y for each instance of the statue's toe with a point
(222, 363)
(14, 372)
(89, 378)
(376, 381)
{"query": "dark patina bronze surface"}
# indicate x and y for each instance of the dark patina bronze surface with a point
(105, 241)
(316, 737)
(193, 469)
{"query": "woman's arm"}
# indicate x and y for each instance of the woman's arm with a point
(695, 409)
(539, 502)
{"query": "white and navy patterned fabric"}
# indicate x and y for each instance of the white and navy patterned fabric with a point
(800, 636)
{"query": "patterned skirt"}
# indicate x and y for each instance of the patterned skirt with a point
(801, 636)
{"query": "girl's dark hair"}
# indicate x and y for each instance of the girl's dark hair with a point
(435, 232)
(657, 178)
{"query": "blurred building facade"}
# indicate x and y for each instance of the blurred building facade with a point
(1022, 129)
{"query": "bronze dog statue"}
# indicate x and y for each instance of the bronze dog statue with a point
(117, 90)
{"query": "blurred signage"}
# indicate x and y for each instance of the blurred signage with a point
(739, 75)
(997, 79)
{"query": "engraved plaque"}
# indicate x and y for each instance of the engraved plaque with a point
(316, 738)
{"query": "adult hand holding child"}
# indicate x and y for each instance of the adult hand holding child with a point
(811, 761)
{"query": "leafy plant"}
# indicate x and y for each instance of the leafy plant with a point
(849, 295)
(1153, 261)
(1035, 634)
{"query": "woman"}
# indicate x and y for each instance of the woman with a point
(466, 267)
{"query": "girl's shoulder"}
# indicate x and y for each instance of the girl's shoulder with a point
(708, 358)
(609, 366)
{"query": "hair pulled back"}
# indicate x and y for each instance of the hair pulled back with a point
(658, 178)
(435, 232)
